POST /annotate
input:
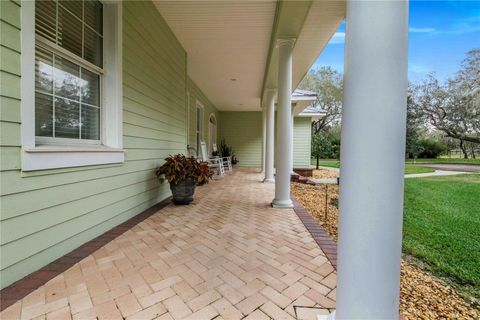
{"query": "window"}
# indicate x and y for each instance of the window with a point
(68, 70)
(71, 83)
(199, 127)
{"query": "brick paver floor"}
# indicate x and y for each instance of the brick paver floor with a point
(228, 255)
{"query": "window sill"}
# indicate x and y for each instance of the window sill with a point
(55, 157)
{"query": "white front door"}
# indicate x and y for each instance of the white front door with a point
(212, 133)
(199, 126)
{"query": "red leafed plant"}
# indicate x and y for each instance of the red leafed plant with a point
(179, 167)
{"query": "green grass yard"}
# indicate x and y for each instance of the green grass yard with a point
(409, 169)
(442, 226)
(447, 160)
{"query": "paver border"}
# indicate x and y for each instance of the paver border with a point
(21, 288)
(324, 241)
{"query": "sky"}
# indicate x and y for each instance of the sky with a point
(440, 34)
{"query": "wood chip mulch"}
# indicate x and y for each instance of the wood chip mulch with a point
(422, 295)
(324, 174)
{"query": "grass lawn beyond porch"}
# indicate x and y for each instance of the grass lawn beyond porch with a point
(441, 226)
(440, 235)
(446, 160)
(409, 169)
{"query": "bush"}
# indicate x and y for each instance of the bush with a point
(431, 148)
(325, 146)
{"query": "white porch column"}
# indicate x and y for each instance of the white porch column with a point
(284, 122)
(269, 135)
(264, 137)
(291, 153)
(371, 196)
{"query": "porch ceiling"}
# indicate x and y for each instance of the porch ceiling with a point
(228, 40)
(224, 40)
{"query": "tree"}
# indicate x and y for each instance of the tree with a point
(326, 144)
(328, 84)
(412, 147)
(453, 108)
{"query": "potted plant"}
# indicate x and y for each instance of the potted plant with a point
(227, 151)
(183, 173)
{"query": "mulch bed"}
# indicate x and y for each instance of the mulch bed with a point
(324, 174)
(422, 295)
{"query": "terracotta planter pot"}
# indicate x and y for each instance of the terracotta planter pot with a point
(182, 193)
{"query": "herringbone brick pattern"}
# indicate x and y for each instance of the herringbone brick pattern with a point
(226, 256)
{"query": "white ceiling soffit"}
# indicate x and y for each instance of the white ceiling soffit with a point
(224, 40)
(323, 19)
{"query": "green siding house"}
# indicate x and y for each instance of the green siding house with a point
(93, 96)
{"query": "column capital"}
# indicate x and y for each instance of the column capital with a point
(286, 41)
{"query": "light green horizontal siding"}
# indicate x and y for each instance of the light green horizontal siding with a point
(10, 75)
(10, 13)
(302, 142)
(243, 131)
(45, 214)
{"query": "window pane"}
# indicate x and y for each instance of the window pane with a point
(74, 6)
(93, 15)
(67, 96)
(67, 119)
(69, 32)
(43, 70)
(45, 15)
(90, 123)
(67, 80)
(92, 49)
(43, 115)
(90, 88)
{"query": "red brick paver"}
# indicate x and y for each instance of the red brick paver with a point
(228, 255)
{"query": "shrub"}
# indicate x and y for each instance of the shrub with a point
(431, 148)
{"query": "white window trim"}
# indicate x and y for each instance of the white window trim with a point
(40, 157)
(187, 121)
(199, 131)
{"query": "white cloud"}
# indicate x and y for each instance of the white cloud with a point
(467, 25)
(338, 38)
(421, 30)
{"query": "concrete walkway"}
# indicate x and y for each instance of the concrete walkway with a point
(435, 173)
(414, 175)
(451, 167)
(228, 255)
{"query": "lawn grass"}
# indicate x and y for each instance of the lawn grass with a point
(409, 169)
(442, 227)
(327, 163)
(446, 160)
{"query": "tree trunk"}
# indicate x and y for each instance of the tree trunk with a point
(318, 161)
(464, 150)
(473, 151)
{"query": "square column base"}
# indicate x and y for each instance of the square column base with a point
(285, 204)
(330, 316)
